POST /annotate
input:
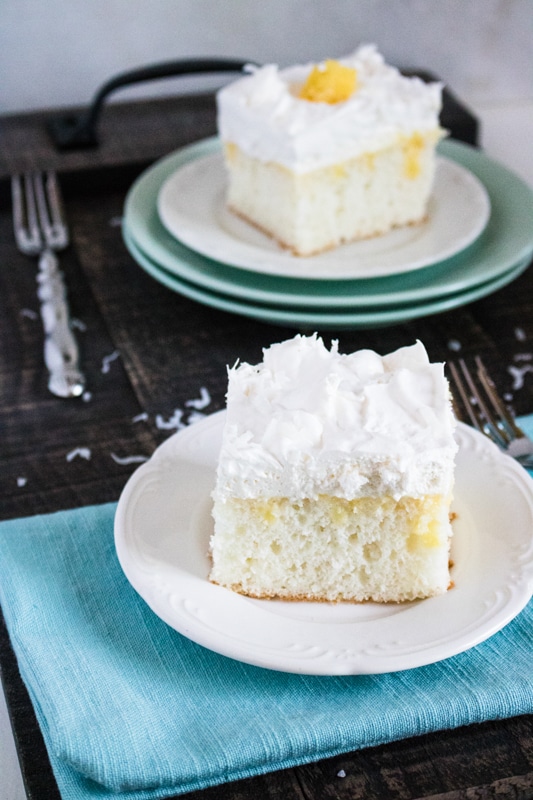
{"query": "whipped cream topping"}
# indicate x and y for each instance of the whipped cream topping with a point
(262, 114)
(309, 421)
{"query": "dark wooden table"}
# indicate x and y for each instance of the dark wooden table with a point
(164, 347)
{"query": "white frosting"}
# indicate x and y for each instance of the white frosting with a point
(310, 421)
(262, 114)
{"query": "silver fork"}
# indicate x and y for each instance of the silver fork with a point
(41, 230)
(487, 412)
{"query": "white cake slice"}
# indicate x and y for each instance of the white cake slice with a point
(335, 476)
(320, 155)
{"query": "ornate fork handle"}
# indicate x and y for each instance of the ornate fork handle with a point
(61, 352)
(40, 230)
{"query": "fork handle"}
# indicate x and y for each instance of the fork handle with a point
(61, 354)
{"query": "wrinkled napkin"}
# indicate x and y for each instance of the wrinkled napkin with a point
(131, 709)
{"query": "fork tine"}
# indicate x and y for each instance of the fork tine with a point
(480, 415)
(487, 412)
(40, 230)
(50, 210)
(472, 410)
(25, 223)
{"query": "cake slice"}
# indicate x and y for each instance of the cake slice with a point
(335, 476)
(322, 154)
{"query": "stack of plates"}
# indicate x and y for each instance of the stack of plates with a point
(477, 238)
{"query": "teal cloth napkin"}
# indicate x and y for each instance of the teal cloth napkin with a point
(129, 708)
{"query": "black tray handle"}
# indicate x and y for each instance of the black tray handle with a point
(70, 131)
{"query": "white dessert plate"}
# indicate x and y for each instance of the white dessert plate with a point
(162, 529)
(191, 205)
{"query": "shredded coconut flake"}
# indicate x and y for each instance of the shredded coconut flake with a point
(79, 452)
(195, 416)
(77, 323)
(140, 417)
(29, 313)
(518, 374)
(202, 402)
(22, 482)
(454, 345)
(86, 396)
(183, 417)
(106, 361)
(172, 423)
(128, 459)
(520, 334)
(341, 774)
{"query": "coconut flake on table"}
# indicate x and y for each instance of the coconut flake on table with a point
(124, 460)
(29, 313)
(202, 402)
(79, 452)
(454, 345)
(518, 374)
(106, 361)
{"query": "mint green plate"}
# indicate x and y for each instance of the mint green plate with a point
(506, 241)
(312, 317)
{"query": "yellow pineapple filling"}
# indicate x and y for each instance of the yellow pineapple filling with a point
(412, 150)
(422, 516)
(330, 82)
(230, 149)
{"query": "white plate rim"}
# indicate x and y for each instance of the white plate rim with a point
(191, 206)
(493, 578)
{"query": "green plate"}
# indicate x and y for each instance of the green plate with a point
(312, 317)
(506, 241)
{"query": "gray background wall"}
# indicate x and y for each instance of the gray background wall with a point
(57, 52)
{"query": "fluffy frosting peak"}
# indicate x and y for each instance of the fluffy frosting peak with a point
(300, 421)
(264, 116)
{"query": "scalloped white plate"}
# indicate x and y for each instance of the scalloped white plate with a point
(162, 530)
(191, 205)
